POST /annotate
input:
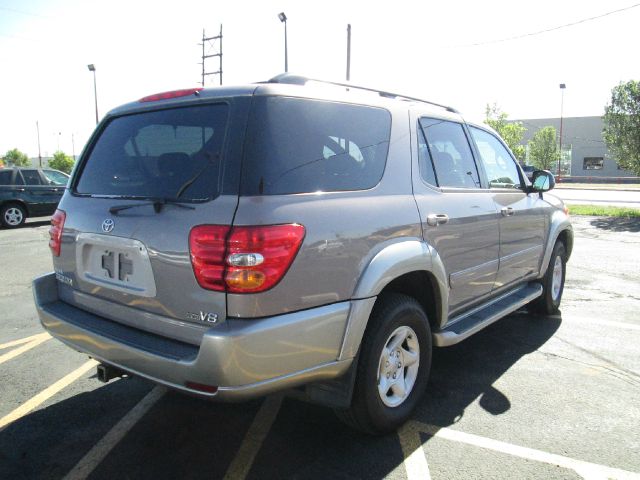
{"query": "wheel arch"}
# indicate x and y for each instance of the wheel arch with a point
(411, 267)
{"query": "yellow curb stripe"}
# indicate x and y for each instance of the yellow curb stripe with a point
(23, 340)
(100, 450)
(253, 439)
(47, 393)
(24, 348)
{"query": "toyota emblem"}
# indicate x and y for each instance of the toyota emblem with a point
(108, 225)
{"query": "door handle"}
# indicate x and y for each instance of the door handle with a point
(507, 211)
(434, 219)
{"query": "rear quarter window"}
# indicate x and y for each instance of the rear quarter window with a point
(5, 177)
(302, 146)
(170, 153)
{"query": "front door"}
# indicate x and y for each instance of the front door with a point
(522, 220)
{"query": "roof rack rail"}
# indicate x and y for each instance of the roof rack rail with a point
(292, 79)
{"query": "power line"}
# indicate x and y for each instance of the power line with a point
(547, 30)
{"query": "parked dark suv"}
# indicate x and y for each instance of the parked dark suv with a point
(234, 241)
(29, 192)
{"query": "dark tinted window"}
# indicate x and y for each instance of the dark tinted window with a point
(501, 169)
(451, 153)
(301, 146)
(31, 177)
(158, 154)
(5, 177)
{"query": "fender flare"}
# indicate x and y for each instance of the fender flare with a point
(393, 261)
(559, 223)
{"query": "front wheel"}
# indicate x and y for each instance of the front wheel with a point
(552, 283)
(393, 367)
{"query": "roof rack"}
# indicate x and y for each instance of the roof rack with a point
(291, 79)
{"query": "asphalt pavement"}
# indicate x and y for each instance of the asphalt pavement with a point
(528, 397)
(629, 198)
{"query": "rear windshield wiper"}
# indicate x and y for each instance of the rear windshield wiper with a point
(157, 203)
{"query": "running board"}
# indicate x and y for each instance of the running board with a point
(468, 323)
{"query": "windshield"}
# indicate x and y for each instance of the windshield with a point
(159, 154)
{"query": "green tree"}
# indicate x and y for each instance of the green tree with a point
(511, 132)
(16, 158)
(61, 161)
(543, 149)
(621, 130)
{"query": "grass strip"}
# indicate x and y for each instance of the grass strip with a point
(604, 211)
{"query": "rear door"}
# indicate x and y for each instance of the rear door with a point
(522, 219)
(458, 216)
(37, 194)
(147, 180)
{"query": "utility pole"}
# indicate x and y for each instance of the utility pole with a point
(348, 52)
(562, 88)
(209, 44)
(39, 154)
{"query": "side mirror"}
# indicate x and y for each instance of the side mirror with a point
(543, 181)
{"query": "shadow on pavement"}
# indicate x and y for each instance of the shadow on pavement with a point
(617, 224)
(184, 437)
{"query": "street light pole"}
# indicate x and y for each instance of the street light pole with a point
(283, 19)
(562, 88)
(92, 68)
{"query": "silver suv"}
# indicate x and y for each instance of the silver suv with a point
(235, 241)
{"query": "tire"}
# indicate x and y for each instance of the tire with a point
(12, 215)
(552, 283)
(390, 382)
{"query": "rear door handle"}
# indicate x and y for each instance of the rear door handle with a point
(434, 219)
(507, 211)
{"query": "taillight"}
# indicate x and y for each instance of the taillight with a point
(55, 232)
(243, 259)
(172, 94)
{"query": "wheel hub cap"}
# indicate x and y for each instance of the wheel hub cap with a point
(13, 216)
(556, 280)
(398, 368)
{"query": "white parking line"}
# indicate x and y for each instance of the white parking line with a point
(253, 439)
(586, 470)
(47, 393)
(101, 449)
(415, 461)
(29, 343)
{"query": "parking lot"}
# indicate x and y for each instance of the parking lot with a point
(529, 397)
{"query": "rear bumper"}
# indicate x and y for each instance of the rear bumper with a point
(242, 358)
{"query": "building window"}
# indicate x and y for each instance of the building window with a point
(593, 163)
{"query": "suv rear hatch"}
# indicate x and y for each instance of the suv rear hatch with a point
(146, 179)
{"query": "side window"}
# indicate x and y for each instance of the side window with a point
(31, 177)
(425, 163)
(451, 153)
(303, 146)
(5, 177)
(501, 169)
(56, 178)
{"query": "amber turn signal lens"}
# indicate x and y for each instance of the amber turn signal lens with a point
(245, 279)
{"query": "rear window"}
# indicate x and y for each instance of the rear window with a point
(302, 146)
(161, 154)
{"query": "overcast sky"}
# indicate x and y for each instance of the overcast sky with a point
(454, 52)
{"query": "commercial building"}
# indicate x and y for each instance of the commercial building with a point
(584, 154)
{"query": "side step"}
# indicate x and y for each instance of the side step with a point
(470, 322)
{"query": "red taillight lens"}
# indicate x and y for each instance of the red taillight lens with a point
(172, 94)
(207, 246)
(243, 259)
(55, 232)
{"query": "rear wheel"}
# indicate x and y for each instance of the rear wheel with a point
(12, 215)
(393, 367)
(552, 283)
